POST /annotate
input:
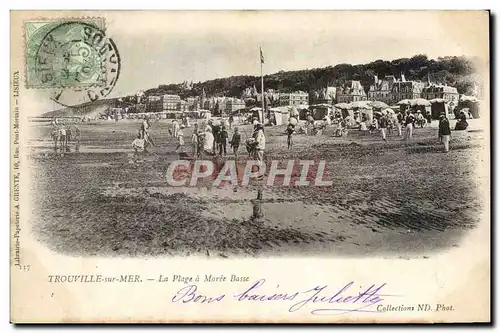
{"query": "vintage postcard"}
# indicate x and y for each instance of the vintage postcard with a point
(250, 166)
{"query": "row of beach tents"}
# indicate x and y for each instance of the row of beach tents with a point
(434, 106)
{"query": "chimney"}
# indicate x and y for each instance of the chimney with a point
(403, 77)
(375, 78)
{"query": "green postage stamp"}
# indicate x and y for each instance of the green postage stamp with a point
(65, 53)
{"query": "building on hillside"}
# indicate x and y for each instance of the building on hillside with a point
(220, 106)
(449, 94)
(381, 90)
(272, 98)
(403, 89)
(139, 96)
(295, 98)
(234, 104)
(351, 91)
(193, 103)
(326, 95)
(153, 104)
(170, 102)
(203, 98)
(391, 78)
(182, 106)
(209, 104)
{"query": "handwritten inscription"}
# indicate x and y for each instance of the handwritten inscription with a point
(322, 299)
(190, 294)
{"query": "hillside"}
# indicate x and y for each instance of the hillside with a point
(455, 71)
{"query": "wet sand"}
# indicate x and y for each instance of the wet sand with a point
(387, 199)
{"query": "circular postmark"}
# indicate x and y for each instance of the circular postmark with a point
(78, 62)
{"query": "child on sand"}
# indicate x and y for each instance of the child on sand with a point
(138, 145)
(290, 129)
(195, 141)
(235, 142)
(180, 139)
(223, 135)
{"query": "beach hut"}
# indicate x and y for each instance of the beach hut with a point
(303, 111)
(404, 105)
(342, 106)
(320, 111)
(280, 114)
(365, 110)
(378, 105)
(345, 110)
(438, 106)
(420, 104)
(471, 103)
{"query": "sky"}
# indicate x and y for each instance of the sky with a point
(162, 47)
(170, 47)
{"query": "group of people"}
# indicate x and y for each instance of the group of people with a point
(62, 134)
(143, 139)
(213, 140)
(385, 124)
(462, 123)
(409, 121)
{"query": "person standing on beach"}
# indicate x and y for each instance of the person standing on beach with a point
(143, 130)
(76, 137)
(444, 131)
(175, 128)
(235, 142)
(215, 132)
(195, 141)
(138, 144)
(208, 141)
(399, 123)
(409, 124)
(63, 138)
(223, 135)
(289, 131)
(383, 126)
(180, 139)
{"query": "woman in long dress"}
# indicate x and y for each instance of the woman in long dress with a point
(363, 128)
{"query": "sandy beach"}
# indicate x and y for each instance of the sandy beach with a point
(387, 199)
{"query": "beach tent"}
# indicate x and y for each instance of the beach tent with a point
(343, 106)
(281, 115)
(404, 105)
(364, 109)
(378, 105)
(320, 111)
(367, 113)
(303, 114)
(472, 105)
(345, 109)
(360, 105)
(420, 104)
(438, 106)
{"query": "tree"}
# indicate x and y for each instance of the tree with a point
(448, 70)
